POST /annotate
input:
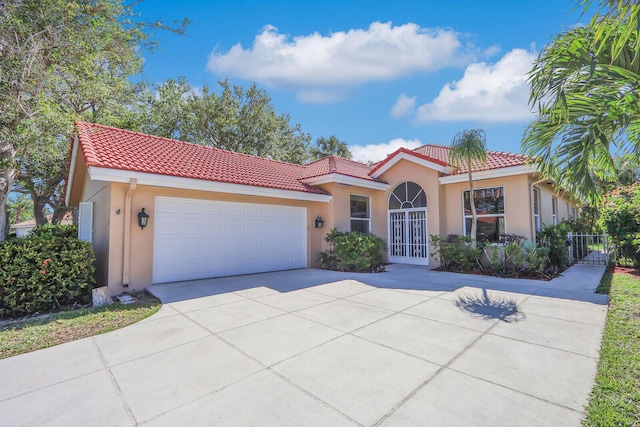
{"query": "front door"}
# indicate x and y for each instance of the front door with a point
(408, 235)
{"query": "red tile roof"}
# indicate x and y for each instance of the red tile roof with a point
(108, 147)
(112, 148)
(495, 159)
(378, 165)
(334, 164)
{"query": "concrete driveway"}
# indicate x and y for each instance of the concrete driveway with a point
(312, 347)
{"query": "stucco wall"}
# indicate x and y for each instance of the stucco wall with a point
(547, 192)
(99, 193)
(426, 178)
(340, 215)
(141, 241)
(517, 204)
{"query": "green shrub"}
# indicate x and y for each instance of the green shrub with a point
(353, 251)
(554, 238)
(50, 230)
(519, 258)
(455, 253)
(537, 260)
(44, 271)
(513, 259)
(620, 218)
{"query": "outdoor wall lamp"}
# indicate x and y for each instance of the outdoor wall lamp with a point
(319, 222)
(143, 219)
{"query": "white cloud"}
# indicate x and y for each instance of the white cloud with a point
(487, 92)
(403, 106)
(320, 96)
(377, 152)
(491, 51)
(341, 59)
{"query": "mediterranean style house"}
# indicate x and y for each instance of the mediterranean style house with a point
(158, 210)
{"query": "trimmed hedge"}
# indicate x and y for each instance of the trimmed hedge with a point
(48, 269)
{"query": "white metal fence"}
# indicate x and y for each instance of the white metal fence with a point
(587, 248)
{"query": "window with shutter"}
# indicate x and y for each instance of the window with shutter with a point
(85, 221)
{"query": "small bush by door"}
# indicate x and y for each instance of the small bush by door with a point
(353, 251)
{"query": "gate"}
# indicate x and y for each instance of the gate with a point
(587, 248)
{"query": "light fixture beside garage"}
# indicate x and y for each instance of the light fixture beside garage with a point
(143, 219)
(319, 222)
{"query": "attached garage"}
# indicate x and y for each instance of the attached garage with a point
(197, 239)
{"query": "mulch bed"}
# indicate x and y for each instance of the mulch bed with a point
(629, 271)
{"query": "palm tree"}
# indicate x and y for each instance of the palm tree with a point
(625, 17)
(588, 102)
(469, 146)
(331, 146)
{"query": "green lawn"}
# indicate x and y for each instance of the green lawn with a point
(615, 399)
(71, 325)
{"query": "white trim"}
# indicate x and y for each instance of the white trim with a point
(22, 227)
(554, 210)
(411, 158)
(486, 174)
(346, 180)
(537, 217)
(408, 259)
(72, 168)
(124, 176)
(368, 211)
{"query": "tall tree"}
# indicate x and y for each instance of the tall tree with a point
(467, 147)
(588, 108)
(330, 146)
(60, 59)
(19, 208)
(236, 119)
(164, 110)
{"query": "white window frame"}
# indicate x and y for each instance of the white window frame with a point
(554, 209)
(503, 215)
(368, 219)
(573, 213)
(537, 208)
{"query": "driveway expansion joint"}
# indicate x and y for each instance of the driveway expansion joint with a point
(115, 384)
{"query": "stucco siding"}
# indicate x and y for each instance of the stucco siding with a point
(547, 193)
(141, 241)
(517, 204)
(99, 194)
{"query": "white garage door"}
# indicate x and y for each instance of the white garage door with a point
(196, 239)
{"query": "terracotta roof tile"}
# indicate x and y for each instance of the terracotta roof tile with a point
(495, 159)
(380, 164)
(113, 148)
(334, 164)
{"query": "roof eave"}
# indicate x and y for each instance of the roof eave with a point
(346, 180)
(401, 154)
(72, 168)
(157, 180)
(490, 173)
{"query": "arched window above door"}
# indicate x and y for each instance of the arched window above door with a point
(407, 195)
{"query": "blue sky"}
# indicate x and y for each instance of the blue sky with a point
(377, 74)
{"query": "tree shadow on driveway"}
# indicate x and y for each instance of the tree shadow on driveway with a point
(488, 308)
